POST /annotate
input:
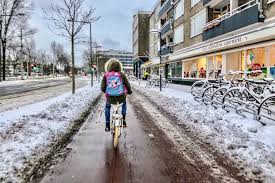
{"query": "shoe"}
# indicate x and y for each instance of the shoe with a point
(124, 121)
(107, 128)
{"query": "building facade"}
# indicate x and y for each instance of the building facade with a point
(125, 57)
(202, 38)
(140, 40)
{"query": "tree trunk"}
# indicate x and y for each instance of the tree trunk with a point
(21, 68)
(73, 75)
(4, 59)
(53, 70)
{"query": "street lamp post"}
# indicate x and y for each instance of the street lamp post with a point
(91, 45)
(156, 31)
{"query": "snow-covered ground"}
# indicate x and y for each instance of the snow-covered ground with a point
(18, 82)
(26, 132)
(244, 140)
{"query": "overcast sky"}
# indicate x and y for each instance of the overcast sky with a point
(113, 30)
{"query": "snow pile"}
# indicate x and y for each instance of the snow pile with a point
(28, 136)
(244, 140)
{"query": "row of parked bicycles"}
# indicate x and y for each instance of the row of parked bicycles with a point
(244, 95)
(155, 82)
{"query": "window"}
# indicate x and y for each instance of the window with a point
(194, 2)
(197, 23)
(175, 70)
(179, 10)
(179, 35)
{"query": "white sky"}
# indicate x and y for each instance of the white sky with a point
(113, 30)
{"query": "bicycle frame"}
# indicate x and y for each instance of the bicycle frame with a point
(117, 126)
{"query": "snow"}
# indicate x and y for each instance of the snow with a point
(26, 132)
(243, 140)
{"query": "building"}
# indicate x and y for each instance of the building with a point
(202, 38)
(140, 40)
(124, 56)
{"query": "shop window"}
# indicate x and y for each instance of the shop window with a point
(175, 70)
(214, 66)
(195, 68)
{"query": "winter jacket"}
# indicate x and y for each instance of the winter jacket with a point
(116, 67)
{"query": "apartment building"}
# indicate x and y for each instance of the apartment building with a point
(202, 38)
(140, 40)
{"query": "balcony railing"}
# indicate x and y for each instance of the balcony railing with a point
(165, 7)
(167, 49)
(166, 27)
(243, 16)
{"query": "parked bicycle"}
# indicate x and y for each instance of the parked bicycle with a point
(242, 95)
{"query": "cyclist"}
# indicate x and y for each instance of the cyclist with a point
(115, 85)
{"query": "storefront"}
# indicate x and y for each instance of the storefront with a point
(257, 58)
(245, 51)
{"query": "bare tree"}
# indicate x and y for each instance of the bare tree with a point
(68, 17)
(30, 52)
(11, 11)
(15, 56)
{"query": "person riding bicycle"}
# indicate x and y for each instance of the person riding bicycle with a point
(116, 86)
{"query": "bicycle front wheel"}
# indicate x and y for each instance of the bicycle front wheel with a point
(116, 136)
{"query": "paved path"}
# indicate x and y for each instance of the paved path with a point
(138, 158)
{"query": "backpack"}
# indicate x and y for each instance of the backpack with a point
(114, 84)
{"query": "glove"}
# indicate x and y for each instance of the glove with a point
(130, 92)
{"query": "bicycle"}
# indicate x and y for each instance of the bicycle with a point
(246, 99)
(117, 124)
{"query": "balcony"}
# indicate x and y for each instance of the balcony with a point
(165, 50)
(240, 17)
(165, 7)
(166, 27)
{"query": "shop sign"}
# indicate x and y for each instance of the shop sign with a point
(223, 44)
(256, 66)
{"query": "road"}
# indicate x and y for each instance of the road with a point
(31, 85)
(24, 93)
(148, 152)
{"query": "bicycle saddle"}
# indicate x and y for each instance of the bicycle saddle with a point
(257, 71)
(260, 82)
(269, 80)
(239, 72)
(249, 80)
(231, 73)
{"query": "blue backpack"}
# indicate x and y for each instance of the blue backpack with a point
(114, 83)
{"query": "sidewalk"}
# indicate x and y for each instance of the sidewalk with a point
(243, 140)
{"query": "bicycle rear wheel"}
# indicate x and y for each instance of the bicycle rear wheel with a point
(115, 137)
(266, 109)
